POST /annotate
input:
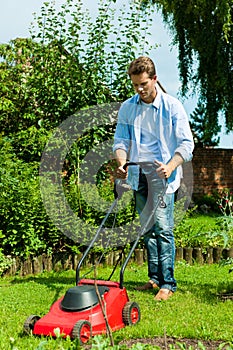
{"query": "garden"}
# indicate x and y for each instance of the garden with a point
(198, 316)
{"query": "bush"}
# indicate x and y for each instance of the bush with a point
(208, 202)
(26, 229)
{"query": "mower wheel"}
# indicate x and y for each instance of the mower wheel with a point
(131, 313)
(82, 331)
(30, 323)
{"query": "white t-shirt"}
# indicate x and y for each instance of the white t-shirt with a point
(148, 148)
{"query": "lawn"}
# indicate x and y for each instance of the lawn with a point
(195, 311)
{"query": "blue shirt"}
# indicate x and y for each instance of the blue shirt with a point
(171, 129)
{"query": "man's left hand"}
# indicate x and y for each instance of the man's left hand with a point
(164, 170)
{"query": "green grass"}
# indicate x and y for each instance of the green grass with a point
(201, 220)
(195, 311)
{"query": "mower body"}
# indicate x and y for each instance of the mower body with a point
(81, 303)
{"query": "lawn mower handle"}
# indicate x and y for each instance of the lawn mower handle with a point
(144, 230)
(94, 240)
(102, 225)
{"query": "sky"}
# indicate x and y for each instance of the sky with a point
(16, 16)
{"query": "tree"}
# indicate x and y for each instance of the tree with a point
(202, 30)
(200, 127)
(71, 62)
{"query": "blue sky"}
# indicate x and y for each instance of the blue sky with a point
(16, 16)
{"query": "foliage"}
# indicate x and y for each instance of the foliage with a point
(186, 229)
(225, 222)
(207, 203)
(71, 62)
(88, 57)
(24, 224)
(203, 136)
(19, 118)
(5, 262)
(99, 342)
(202, 30)
(225, 202)
(214, 229)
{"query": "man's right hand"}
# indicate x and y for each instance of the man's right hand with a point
(121, 173)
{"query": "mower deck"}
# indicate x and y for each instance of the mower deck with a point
(78, 314)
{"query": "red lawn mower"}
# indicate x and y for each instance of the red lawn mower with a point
(79, 313)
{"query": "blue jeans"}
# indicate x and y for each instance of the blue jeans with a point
(159, 238)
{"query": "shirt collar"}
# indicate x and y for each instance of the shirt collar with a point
(156, 102)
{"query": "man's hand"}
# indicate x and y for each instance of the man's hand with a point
(121, 173)
(165, 170)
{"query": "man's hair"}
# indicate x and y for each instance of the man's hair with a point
(140, 65)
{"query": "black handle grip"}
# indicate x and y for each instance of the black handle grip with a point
(140, 164)
(128, 164)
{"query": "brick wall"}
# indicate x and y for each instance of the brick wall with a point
(212, 170)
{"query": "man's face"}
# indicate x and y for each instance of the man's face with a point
(144, 86)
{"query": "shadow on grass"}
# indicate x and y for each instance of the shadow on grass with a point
(55, 283)
(206, 293)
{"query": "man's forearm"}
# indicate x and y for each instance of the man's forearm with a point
(121, 157)
(175, 162)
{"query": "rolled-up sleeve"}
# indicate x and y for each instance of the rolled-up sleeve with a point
(184, 137)
(122, 137)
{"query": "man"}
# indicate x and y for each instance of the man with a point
(153, 128)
